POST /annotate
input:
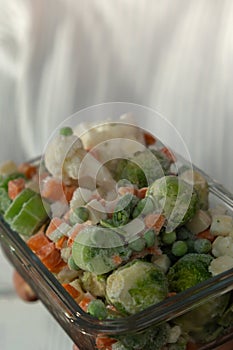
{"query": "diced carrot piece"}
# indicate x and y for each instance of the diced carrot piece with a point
(37, 241)
(58, 267)
(155, 221)
(27, 169)
(71, 290)
(49, 255)
(207, 235)
(149, 139)
(76, 229)
(117, 259)
(85, 301)
(68, 192)
(52, 189)
(53, 225)
(15, 187)
(155, 250)
(104, 343)
(126, 189)
(141, 193)
(192, 346)
(168, 154)
(61, 242)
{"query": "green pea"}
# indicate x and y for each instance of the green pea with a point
(169, 237)
(149, 237)
(66, 131)
(138, 244)
(179, 248)
(202, 245)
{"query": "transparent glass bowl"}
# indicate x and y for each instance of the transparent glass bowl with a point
(83, 328)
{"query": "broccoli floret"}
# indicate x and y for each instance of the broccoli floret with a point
(188, 271)
(143, 168)
(201, 323)
(136, 286)
(177, 199)
(153, 338)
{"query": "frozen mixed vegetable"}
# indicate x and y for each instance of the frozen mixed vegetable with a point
(125, 233)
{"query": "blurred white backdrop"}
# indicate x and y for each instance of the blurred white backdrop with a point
(26, 325)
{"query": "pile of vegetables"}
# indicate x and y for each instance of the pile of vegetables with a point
(123, 235)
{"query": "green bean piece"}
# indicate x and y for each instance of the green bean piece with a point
(124, 209)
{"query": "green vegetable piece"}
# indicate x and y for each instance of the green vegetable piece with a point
(145, 206)
(176, 198)
(149, 237)
(135, 286)
(99, 250)
(95, 284)
(124, 209)
(153, 338)
(188, 271)
(66, 131)
(145, 167)
(179, 248)
(79, 215)
(138, 244)
(32, 215)
(168, 237)
(202, 245)
(97, 309)
(226, 319)
(201, 323)
(72, 264)
(184, 234)
(18, 203)
(5, 179)
(5, 201)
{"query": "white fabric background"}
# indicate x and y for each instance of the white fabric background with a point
(59, 56)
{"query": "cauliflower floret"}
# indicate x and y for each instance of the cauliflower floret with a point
(222, 246)
(221, 264)
(222, 225)
(113, 139)
(63, 156)
(66, 158)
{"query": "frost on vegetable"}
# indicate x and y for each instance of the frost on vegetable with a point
(99, 250)
(136, 286)
(177, 199)
(143, 168)
(188, 271)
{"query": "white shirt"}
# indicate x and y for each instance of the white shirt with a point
(59, 56)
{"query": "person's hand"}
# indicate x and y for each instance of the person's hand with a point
(25, 292)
